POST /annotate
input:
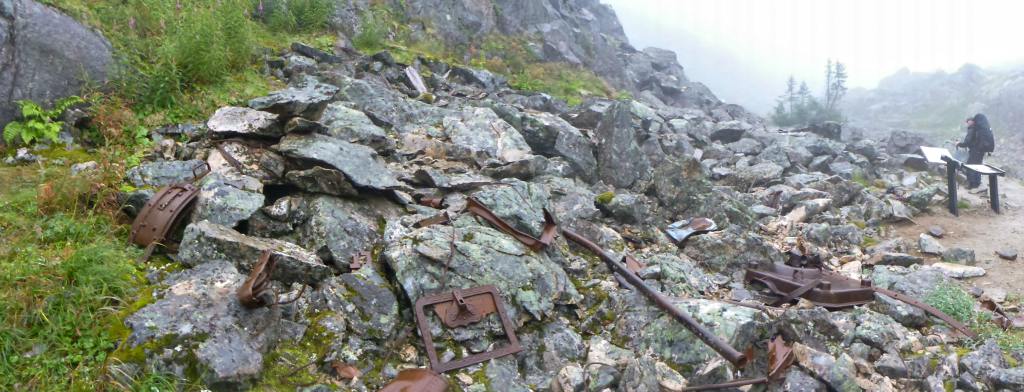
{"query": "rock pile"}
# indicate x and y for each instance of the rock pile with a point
(339, 162)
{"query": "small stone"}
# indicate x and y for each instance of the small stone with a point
(936, 231)
(959, 255)
(900, 259)
(930, 246)
(83, 167)
(959, 271)
(1007, 254)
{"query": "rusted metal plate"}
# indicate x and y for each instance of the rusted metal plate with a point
(451, 298)
(831, 291)
(417, 380)
(467, 308)
(438, 219)
(255, 292)
(360, 259)
(477, 208)
(163, 213)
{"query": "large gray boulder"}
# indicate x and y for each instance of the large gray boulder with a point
(46, 55)
(620, 161)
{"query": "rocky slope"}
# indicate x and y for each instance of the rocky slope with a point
(347, 158)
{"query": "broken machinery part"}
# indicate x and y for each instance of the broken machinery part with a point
(833, 291)
(460, 308)
(417, 380)
(256, 292)
(163, 213)
(720, 346)
(547, 234)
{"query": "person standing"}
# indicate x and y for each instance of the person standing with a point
(979, 141)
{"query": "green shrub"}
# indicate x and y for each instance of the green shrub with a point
(952, 300)
(171, 51)
(373, 32)
(37, 123)
(294, 15)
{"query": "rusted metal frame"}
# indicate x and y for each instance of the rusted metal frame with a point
(797, 293)
(780, 358)
(930, 310)
(163, 212)
(468, 296)
(720, 346)
(536, 244)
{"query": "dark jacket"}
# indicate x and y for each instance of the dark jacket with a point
(979, 136)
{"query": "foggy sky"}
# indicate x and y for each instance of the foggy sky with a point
(745, 49)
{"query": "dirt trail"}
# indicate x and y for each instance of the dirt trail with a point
(981, 229)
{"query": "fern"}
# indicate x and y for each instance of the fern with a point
(38, 123)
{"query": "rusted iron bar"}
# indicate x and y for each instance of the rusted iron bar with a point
(720, 346)
(477, 208)
(930, 310)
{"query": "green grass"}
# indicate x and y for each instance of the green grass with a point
(67, 274)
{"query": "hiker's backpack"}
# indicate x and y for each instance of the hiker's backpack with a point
(984, 140)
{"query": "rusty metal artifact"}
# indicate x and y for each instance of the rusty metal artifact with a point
(780, 358)
(459, 308)
(826, 289)
(360, 259)
(163, 213)
(618, 267)
(547, 234)
(680, 231)
(833, 291)
(255, 292)
(417, 380)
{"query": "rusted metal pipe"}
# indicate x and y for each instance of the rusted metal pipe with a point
(720, 346)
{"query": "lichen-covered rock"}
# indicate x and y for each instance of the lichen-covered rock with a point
(261, 164)
(322, 180)
(365, 298)
(959, 255)
(340, 228)
(984, 361)
(236, 121)
(482, 132)
(929, 245)
(840, 374)
(732, 249)
(353, 126)
(530, 282)
(360, 164)
(306, 98)
(226, 201)
(519, 203)
(649, 330)
(199, 315)
(163, 173)
(205, 242)
(620, 161)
